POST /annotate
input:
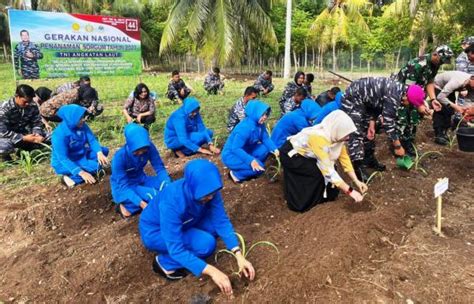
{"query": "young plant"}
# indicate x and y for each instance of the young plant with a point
(244, 250)
(274, 171)
(419, 158)
(28, 160)
(374, 175)
(452, 138)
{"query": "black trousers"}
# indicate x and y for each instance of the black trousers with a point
(304, 182)
(442, 119)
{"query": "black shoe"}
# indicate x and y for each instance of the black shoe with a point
(373, 163)
(178, 274)
(6, 158)
(408, 146)
(441, 137)
(361, 170)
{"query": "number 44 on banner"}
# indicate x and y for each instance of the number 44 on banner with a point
(440, 187)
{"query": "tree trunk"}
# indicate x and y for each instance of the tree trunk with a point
(305, 55)
(287, 63)
(368, 66)
(5, 52)
(352, 60)
(312, 58)
(297, 65)
(398, 58)
(422, 46)
(334, 57)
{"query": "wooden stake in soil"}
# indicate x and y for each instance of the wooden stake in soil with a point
(440, 187)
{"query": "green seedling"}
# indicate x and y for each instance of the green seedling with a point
(28, 160)
(216, 138)
(274, 171)
(373, 175)
(452, 138)
(419, 158)
(246, 252)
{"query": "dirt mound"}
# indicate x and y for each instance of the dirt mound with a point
(70, 246)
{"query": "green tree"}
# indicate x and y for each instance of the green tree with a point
(334, 23)
(219, 28)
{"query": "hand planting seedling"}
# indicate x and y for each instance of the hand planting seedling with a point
(419, 158)
(246, 252)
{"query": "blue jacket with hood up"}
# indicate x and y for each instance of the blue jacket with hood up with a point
(180, 125)
(293, 122)
(247, 134)
(177, 209)
(128, 169)
(70, 143)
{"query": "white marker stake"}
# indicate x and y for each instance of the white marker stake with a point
(440, 187)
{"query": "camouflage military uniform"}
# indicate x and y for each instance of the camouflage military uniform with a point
(463, 64)
(213, 83)
(366, 99)
(236, 114)
(420, 71)
(49, 108)
(16, 122)
(66, 87)
(261, 83)
(27, 66)
(287, 103)
(175, 87)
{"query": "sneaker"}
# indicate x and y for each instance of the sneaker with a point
(441, 138)
(178, 274)
(68, 182)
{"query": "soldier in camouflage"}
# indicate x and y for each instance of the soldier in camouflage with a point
(364, 101)
(408, 119)
(264, 83)
(20, 123)
(422, 71)
(463, 63)
(213, 82)
(289, 92)
(26, 57)
(177, 89)
(237, 112)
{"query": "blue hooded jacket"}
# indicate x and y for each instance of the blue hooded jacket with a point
(293, 122)
(180, 125)
(248, 133)
(128, 169)
(70, 143)
(329, 107)
(177, 209)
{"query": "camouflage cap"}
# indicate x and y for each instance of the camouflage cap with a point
(445, 53)
(468, 40)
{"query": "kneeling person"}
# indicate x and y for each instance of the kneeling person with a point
(132, 189)
(76, 153)
(185, 132)
(20, 123)
(249, 145)
(182, 224)
(308, 161)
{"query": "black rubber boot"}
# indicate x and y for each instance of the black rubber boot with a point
(373, 163)
(441, 137)
(408, 146)
(361, 170)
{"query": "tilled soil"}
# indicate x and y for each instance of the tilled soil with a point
(59, 245)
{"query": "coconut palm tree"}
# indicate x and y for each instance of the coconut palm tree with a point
(425, 14)
(220, 28)
(332, 25)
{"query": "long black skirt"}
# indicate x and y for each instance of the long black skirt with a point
(304, 182)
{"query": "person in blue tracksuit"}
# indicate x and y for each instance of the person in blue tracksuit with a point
(76, 153)
(185, 132)
(329, 107)
(182, 223)
(132, 189)
(249, 144)
(295, 121)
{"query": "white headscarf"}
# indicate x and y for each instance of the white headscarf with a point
(334, 128)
